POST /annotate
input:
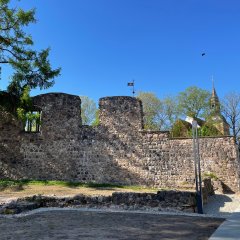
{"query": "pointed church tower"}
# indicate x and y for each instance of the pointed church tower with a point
(215, 103)
(217, 118)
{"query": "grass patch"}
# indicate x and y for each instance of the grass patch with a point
(8, 184)
(210, 175)
(12, 185)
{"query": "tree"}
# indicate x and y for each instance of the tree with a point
(152, 109)
(96, 121)
(31, 68)
(170, 112)
(194, 102)
(159, 114)
(231, 110)
(88, 110)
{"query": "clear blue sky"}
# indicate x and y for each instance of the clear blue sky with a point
(103, 44)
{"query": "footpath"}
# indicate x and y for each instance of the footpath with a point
(227, 206)
(229, 229)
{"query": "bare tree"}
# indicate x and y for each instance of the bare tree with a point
(231, 111)
(88, 110)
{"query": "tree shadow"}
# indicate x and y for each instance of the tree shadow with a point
(216, 203)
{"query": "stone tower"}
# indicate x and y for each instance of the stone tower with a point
(217, 118)
(215, 103)
(121, 114)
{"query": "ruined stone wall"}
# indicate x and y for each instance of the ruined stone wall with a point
(10, 141)
(116, 151)
(218, 155)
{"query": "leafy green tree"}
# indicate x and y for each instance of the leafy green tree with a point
(194, 102)
(159, 114)
(208, 129)
(170, 112)
(25, 114)
(152, 109)
(88, 110)
(31, 68)
(181, 129)
(96, 122)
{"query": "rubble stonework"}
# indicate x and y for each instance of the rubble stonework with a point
(116, 151)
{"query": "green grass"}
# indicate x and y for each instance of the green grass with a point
(211, 175)
(4, 184)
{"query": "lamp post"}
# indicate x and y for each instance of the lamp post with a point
(197, 167)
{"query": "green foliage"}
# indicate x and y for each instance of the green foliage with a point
(152, 107)
(210, 175)
(25, 105)
(88, 110)
(159, 114)
(24, 111)
(170, 112)
(208, 129)
(194, 102)
(13, 185)
(9, 102)
(184, 129)
(96, 122)
(6, 184)
(31, 68)
(181, 129)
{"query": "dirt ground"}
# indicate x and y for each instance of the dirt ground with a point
(87, 224)
(73, 224)
(62, 191)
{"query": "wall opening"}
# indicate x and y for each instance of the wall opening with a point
(33, 122)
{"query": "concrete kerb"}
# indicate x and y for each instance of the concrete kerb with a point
(102, 210)
(229, 229)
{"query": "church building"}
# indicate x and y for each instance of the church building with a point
(218, 120)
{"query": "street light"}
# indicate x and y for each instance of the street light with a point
(197, 167)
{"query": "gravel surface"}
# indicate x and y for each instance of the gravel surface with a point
(219, 205)
(69, 224)
(114, 223)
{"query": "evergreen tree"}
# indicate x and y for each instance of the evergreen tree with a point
(30, 67)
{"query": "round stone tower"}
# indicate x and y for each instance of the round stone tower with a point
(121, 114)
(60, 113)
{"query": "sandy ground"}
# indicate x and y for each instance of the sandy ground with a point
(60, 191)
(219, 205)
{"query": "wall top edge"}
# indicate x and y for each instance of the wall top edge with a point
(56, 94)
(176, 138)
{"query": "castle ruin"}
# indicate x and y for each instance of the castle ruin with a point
(117, 151)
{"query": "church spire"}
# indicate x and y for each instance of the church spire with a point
(215, 104)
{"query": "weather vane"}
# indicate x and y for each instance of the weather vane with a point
(131, 84)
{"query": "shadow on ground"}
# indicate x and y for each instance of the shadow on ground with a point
(69, 224)
(221, 204)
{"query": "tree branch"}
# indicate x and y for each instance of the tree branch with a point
(17, 57)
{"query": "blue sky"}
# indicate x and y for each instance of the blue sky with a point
(103, 44)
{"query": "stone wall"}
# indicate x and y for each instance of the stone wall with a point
(116, 151)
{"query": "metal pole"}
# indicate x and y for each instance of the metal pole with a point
(195, 158)
(200, 202)
(133, 89)
(197, 167)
